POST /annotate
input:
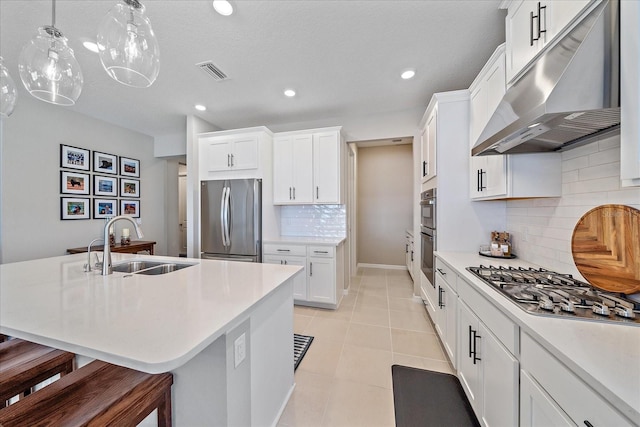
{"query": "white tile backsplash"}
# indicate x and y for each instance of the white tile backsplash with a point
(313, 221)
(541, 229)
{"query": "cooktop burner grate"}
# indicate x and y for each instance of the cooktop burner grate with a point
(547, 293)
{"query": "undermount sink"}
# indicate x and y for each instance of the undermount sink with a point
(151, 268)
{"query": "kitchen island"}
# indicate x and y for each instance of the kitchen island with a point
(197, 322)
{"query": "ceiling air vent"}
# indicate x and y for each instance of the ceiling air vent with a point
(212, 70)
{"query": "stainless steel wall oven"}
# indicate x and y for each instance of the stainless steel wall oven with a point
(428, 236)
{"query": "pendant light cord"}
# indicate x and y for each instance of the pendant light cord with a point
(53, 13)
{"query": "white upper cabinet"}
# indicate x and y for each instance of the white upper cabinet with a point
(293, 181)
(630, 89)
(232, 153)
(531, 25)
(327, 148)
(238, 153)
(429, 143)
(505, 176)
(307, 167)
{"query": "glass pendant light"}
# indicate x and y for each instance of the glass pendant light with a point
(8, 93)
(47, 67)
(127, 45)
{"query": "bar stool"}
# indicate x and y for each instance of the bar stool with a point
(24, 364)
(96, 394)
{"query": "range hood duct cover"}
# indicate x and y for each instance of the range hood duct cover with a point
(569, 97)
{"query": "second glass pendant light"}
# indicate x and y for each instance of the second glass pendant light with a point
(127, 45)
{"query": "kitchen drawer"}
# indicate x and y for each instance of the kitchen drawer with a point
(502, 327)
(285, 249)
(447, 273)
(322, 251)
(574, 396)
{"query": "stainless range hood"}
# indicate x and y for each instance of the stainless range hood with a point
(569, 97)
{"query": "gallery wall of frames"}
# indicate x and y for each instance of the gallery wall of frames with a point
(97, 185)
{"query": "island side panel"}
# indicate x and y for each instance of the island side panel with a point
(272, 356)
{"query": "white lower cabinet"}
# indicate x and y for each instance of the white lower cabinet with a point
(300, 281)
(488, 372)
(581, 404)
(537, 408)
(321, 283)
(446, 316)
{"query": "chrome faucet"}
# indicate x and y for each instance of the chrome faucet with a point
(106, 257)
(87, 266)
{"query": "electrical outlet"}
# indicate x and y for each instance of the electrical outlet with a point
(239, 350)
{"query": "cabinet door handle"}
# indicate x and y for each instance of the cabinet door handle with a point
(412, 256)
(587, 423)
(440, 292)
(283, 250)
(444, 273)
(531, 28)
(232, 160)
(482, 184)
(478, 180)
(317, 192)
(424, 168)
(285, 262)
(280, 262)
(470, 342)
(406, 248)
(475, 347)
(310, 269)
(229, 160)
(294, 193)
(289, 193)
(540, 30)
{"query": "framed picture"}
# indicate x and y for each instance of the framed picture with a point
(105, 185)
(74, 182)
(74, 158)
(104, 208)
(129, 167)
(130, 207)
(75, 208)
(105, 163)
(129, 187)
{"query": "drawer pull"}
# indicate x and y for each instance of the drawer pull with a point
(444, 273)
(320, 252)
(284, 250)
(587, 423)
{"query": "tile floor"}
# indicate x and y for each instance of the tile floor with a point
(345, 377)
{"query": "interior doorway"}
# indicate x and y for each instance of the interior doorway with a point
(182, 208)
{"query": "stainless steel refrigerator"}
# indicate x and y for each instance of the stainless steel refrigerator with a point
(231, 218)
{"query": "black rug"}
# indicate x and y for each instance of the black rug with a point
(428, 398)
(301, 344)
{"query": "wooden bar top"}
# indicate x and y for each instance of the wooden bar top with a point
(133, 248)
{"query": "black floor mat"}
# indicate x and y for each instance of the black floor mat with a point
(301, 344)
(428, 398)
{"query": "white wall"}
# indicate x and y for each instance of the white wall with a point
(31, 138)
(542, 228)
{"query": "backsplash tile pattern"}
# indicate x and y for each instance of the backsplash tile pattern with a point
(542, 228)
(313, 221)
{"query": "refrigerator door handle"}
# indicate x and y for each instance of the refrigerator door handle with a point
(228, 217)
(222, 215)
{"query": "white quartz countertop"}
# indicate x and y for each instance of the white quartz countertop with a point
(150, 323)
(330, 241)
(605, 355)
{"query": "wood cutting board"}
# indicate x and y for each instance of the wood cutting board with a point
(606, 248)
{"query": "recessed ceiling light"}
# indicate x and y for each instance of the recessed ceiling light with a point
(223, 7)
(200, 107)
(92, 46)
(407, 74)
(290, 93)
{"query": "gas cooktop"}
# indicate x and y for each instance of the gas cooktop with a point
(547, 293)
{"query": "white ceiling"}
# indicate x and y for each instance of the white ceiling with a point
(343, 58)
